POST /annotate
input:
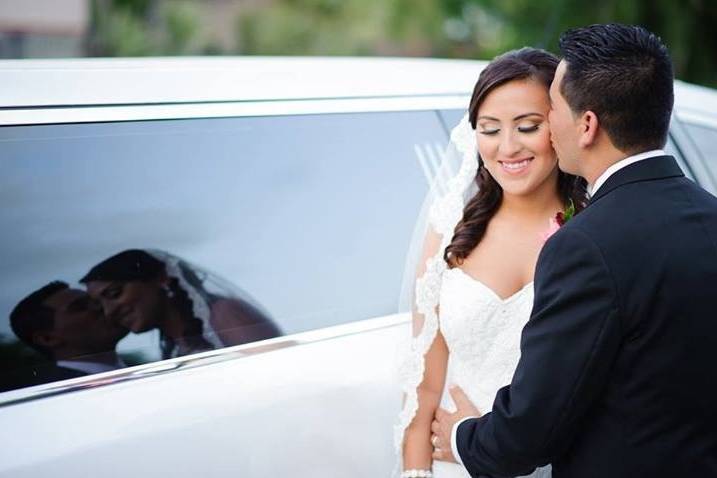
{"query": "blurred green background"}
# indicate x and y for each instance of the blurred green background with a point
(428, 28)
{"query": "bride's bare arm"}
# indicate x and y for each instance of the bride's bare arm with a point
(417, 447)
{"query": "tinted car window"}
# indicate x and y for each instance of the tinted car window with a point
(451, 118)
(245, 228)
(705, 139)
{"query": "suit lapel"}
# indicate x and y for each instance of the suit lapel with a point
(659, 167)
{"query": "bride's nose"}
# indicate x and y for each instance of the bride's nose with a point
(509, 144)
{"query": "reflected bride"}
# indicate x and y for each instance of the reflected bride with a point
(193, 309)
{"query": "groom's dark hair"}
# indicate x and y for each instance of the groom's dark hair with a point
(623, 74)
(31, 315)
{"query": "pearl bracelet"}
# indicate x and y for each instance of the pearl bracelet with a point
(417, 474)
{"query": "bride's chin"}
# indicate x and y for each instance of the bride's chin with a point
(520, 190)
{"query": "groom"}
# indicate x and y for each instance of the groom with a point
(617, 372)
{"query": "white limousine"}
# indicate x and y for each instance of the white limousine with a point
(270, 201)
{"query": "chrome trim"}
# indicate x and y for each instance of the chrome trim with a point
(92, 114)
(173, 80)
(15, 397)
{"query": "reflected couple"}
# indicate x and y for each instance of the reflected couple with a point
(137, 291)
(193, 310)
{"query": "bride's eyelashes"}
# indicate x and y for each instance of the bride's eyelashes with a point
(529, 129)
(522, 129)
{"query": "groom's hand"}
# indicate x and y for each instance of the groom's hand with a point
(442, 426)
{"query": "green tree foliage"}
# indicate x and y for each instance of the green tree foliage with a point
(314, 27)
(473, 28)
(437, 28)
(688, 28)
(143, 28)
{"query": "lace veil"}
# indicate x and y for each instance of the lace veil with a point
(452, 185)
(202, 288)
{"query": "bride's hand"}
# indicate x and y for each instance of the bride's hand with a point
(442, 426)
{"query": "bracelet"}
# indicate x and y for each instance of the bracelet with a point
(417, 474)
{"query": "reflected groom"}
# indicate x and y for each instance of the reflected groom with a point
(68, 327)
(616, 372)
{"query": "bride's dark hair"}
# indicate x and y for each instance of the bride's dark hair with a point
(526, 63)
(139, 265)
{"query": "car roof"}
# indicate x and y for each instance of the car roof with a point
(192, 80)
(102, 81)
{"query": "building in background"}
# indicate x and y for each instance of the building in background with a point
(43, 28)
(79, 28)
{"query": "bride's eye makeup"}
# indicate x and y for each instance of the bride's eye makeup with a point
(528, 127)
(488, 129)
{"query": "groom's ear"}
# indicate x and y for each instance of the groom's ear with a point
(588, 126)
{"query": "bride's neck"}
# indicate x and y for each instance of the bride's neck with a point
(536, 205)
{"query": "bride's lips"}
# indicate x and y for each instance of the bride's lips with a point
(516, 167)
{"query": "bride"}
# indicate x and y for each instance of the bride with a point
(194, 310)
(486, 226)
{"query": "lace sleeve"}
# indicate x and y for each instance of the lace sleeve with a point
(424, 328)
(444, 213)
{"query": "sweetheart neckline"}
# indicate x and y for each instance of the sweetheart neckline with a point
(495, 295)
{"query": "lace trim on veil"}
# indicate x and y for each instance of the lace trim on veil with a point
(444, 214)
(200, 305)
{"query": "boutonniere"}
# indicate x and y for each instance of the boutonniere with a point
(555, 223)
(564, 216)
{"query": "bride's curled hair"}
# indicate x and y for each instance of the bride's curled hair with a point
(526, 63)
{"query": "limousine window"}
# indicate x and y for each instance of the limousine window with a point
(245, 228)
(705, 138)
(450, 118)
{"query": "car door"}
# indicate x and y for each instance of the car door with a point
(309, 215)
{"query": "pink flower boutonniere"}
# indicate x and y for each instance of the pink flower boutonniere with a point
(555, 223)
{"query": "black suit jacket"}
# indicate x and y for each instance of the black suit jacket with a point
(618, 369)
(37, 375)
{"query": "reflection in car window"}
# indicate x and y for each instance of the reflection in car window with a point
(193, 310)
(304, 220)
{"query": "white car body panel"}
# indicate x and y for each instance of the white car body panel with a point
(322, 406)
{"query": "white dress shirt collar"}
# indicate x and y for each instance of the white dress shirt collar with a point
(592, 188)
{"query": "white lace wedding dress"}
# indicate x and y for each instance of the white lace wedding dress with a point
(482, 331)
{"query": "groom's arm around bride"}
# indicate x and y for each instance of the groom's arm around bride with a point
(615, 377)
